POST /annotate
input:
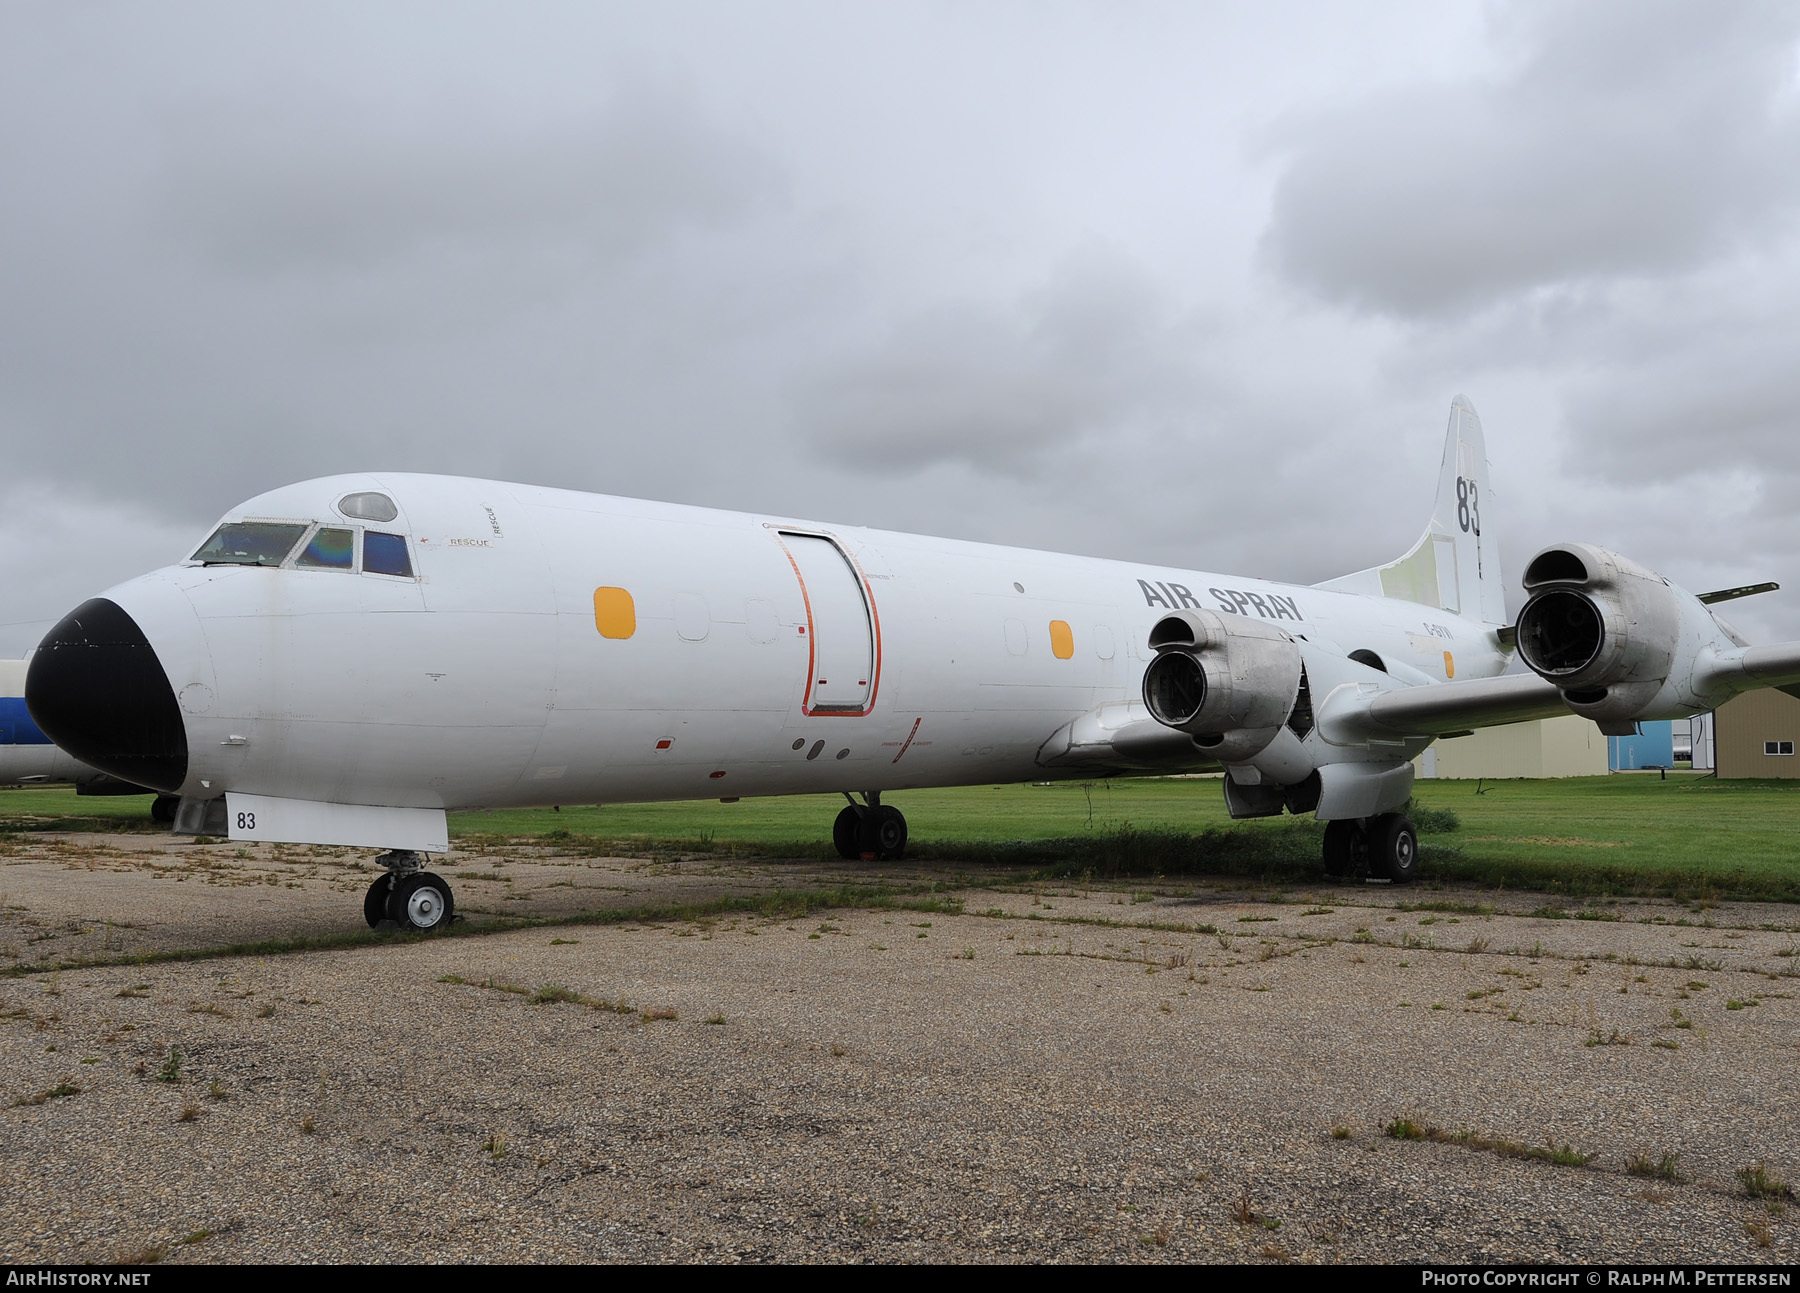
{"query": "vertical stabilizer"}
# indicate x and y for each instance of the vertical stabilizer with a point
(1455, 565)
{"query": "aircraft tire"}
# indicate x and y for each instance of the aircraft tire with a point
(846, 834)
(375, 901)
(1346, 849)
(421, 903)
(885, 834)
(162, 809)
(1394, 848)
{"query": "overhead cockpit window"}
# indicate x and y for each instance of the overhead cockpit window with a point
(368, 507)
(329, 550)
(385, 554)
(250, 543)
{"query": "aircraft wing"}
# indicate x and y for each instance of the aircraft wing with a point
(1351, 716)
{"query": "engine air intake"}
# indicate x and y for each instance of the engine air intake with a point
(1556, 566)
(1560, 633)
(1174, 688)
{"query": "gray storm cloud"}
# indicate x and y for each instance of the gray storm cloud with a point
(1629, 139)
(1187, 286)
(1093, 352)
(266, 190)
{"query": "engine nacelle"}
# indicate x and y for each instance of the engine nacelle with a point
(1618, 640)
(1228, 681)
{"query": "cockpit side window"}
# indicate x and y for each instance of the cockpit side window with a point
(250, 543)
(385, 554)
(329, 549)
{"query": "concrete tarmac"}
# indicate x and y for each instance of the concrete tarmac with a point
(1148, 1071)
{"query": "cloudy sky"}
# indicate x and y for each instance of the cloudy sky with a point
(1189, 284)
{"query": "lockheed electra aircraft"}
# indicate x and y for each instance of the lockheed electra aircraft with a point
(344, 660)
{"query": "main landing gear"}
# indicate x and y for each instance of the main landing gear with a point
(869, 830)
(413, 898)
(1383, 848)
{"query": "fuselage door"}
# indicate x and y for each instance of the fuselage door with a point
(840, 627)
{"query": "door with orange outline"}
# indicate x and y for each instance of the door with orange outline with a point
(840, 625)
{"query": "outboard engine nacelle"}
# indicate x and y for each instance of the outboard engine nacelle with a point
(1606, 631)
(1228, 681)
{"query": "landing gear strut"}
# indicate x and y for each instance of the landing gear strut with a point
(869, 830)
(413, 898)
(1385, 847)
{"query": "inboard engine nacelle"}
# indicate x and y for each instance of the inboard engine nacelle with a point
(1621, 642)
(1229, 681)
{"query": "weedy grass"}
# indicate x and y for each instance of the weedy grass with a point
(1665, 1168)
(1759, 1183)
(776, 904)
(61, 1091)
(1561, 1155)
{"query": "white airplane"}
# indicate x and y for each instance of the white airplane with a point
(345, 659)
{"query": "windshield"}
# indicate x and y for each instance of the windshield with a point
(250, 543)
(329, 550)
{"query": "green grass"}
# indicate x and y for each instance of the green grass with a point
(936, 818)
(1691, 835)
(59, 808)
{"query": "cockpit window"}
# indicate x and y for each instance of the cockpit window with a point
(329, 550)
(368, 507)
(385, 554)
(250, 543)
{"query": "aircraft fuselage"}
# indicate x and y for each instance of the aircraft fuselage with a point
(559, 647)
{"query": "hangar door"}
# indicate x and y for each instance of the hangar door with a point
(841, 628)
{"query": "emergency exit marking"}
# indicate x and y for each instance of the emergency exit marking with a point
(1062, 639)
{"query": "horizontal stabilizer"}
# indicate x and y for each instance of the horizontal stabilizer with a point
(1732, 594)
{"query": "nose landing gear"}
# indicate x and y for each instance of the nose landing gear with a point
(1385, 847)
(415, 899)
(869, 830)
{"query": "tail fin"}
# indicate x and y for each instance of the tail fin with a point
(1455, 565)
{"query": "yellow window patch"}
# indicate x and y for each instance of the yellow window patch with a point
(615, 615)
(1062, 640)
(1449, 666)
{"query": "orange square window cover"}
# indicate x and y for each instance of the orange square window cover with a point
(1062, 639)
(615, 614)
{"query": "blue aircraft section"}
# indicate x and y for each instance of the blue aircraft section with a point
(1652, 747)
(16, 727)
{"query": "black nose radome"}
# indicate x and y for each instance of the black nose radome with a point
(97, 689)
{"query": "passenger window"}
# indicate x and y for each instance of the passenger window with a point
(250, 543)
(329, 550)
(385, 554)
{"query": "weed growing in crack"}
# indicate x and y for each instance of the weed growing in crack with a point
(1666, 1168)
(1759, 1183)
